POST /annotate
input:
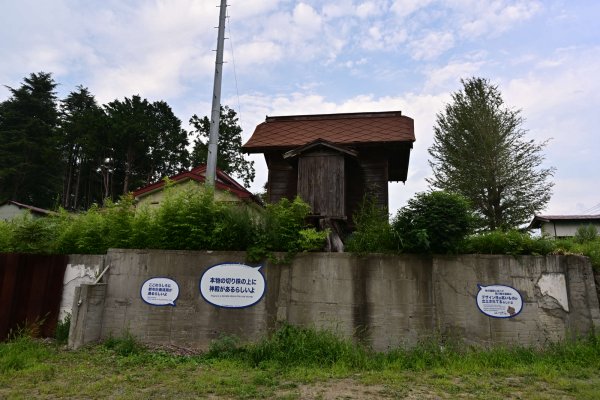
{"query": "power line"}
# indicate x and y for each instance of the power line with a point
(592, 209)
(237, 91)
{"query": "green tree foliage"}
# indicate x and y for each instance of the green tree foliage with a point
(435, 222)
(186, 220)
(85, 146)
(147, 144)
(481, 152)
(230, 158)
(29, 167)
(81, 153)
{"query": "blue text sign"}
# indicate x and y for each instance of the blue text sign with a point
(499, 301)
(160, 291)
(232, 285)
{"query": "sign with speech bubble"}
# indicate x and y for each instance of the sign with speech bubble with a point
(499, 301)
(160, 291)
(232, 285)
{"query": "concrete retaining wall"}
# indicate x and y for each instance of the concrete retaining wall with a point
(384, 301)
(81, 269)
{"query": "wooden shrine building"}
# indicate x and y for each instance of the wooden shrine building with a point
(332, 160)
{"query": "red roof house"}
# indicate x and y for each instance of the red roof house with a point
(224, 183)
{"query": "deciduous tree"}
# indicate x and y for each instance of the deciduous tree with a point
(480, 151)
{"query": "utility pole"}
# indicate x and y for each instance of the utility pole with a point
(213, 138)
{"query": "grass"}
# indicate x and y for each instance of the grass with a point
(297, 364)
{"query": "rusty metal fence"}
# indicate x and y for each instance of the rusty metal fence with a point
(30, 292)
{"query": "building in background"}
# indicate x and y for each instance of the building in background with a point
(560, 226)
(227, 189)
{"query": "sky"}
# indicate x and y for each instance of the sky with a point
(286, 57)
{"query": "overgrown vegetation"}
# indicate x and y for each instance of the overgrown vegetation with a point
(292, 362)
(186, 220)
(434, 222)
(442, 223)
(373, 232)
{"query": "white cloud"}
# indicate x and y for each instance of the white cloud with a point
(447, 76)
(404, 8)
(431, 45)
(494, 17)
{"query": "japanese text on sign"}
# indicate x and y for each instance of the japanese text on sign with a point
(160, 291)
(232, 285)
(499, 301)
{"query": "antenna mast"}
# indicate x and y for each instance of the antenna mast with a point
(213, 138)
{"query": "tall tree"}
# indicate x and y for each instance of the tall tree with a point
(230, 158)
(84, 145)
(30, 169)
(480, 151)
(147, 140)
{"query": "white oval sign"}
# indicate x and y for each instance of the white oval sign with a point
(232, 285)
(160, 291)
(499, 301)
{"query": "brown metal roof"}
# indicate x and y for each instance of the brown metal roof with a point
(350, 128)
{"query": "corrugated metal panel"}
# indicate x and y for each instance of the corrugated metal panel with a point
(30, 291)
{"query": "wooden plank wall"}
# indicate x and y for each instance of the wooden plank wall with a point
(283, 178)
(30, 292)
(321, 182)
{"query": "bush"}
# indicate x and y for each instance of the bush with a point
(435, 222)
(373, 233)
(6, 235)
(312, 240)
(590, 249)
(586, 233)
(283, 222)
(29, 234)
(510, 242)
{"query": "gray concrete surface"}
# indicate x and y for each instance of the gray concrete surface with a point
(382, 300)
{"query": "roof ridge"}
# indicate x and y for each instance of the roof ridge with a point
(319, 117)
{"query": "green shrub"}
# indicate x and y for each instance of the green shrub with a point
(509, 242)
(373, 233)
(312, 240)
(6, 236)
(590, 249)
(29, 234)
(435, 222)
(282, 224)
(235, 228)
(586, 233)
(186, 219)
(62, 330)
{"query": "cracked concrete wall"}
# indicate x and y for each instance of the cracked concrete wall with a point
(81, 269)
(558, 294)
(382, 300)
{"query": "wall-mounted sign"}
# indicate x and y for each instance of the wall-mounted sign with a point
(499, 301)
(160, 291)
(232, 285)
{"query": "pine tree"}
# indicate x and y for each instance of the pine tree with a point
(30, 166)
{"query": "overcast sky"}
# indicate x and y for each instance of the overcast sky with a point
(302, 57)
